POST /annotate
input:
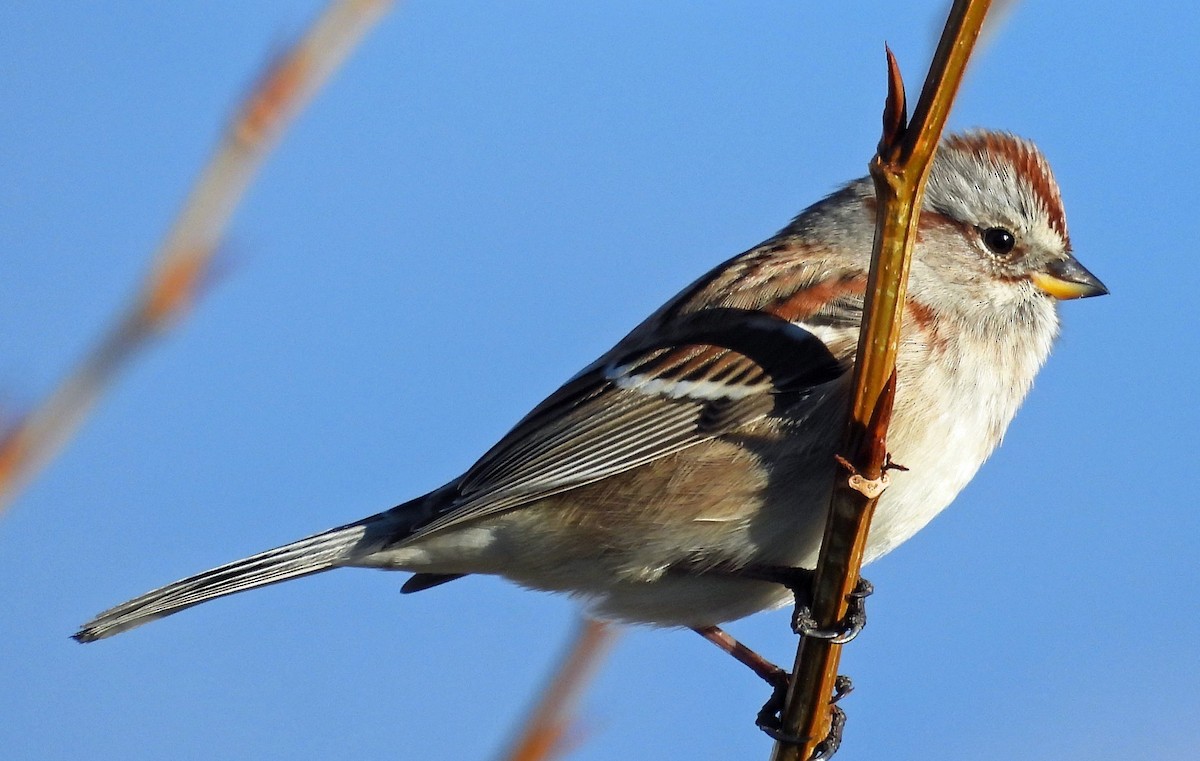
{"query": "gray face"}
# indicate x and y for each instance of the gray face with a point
(996, 192)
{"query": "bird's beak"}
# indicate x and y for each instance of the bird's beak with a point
(1068, 279)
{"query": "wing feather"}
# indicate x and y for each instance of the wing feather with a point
(698, 375)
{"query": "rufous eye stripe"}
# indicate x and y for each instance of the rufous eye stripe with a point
(1026, 161)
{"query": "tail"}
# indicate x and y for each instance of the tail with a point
(333, 548)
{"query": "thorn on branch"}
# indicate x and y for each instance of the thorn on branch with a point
(895, 111)
(881, 420)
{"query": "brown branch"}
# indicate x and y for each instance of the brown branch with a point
(545, 733)
(899, 170)
(183, 261)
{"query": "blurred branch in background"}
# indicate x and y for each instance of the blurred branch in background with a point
(183, 263)
(997, 16)
(550, 731)
(899, 169)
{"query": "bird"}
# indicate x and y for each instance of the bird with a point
(658, 482)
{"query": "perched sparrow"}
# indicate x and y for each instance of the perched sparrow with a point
(703, 443)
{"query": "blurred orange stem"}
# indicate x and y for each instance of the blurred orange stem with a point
(545, 734)
(183, 261)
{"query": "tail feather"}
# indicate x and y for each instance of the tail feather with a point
(307, 556)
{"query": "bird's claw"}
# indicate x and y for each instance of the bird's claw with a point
(845, 630)
(825, 749)
(770, 721)
(842, 686)
(769, 716)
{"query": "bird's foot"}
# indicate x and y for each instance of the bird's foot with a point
(843, 631)
(769, 720)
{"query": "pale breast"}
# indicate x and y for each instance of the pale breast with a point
(951, 412)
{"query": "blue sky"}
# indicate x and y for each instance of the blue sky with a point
(486, 198)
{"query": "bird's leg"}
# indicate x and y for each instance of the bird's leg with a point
(767, 671)
(768, 718)
(799, 582)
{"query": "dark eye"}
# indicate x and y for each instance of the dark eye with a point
(999, 240)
